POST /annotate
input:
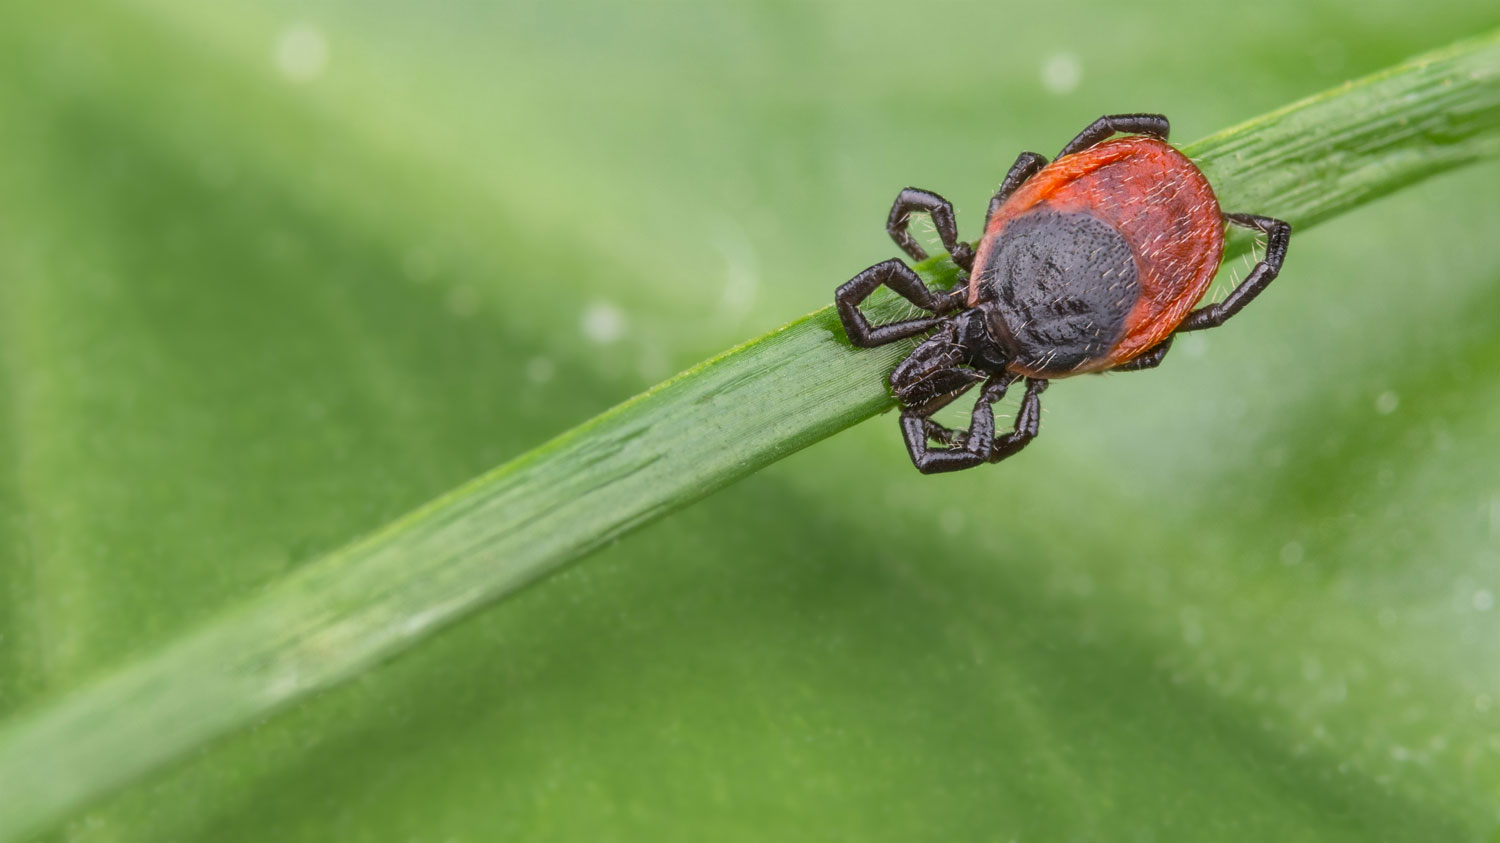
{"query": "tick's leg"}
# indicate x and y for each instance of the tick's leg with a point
(1027, 165)
(980, 444)
(967, 449)
(1028, 423)
(1154, 125)
(915, 200)
(1277, 234)
(1149, 360)
(901, 278)
(937, 432)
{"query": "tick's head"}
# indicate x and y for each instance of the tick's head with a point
(956, 356)
(933, 372)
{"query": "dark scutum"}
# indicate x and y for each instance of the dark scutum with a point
(1064, 284)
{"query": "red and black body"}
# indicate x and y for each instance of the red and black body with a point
(1088, 264)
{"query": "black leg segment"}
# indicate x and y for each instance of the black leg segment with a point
(1154, 125)
(1028, 422)
(915, 200)
(967, 449)
(1148, 360)
(1027, 165)
(1278, 234)
(979, 444)
(908, 284)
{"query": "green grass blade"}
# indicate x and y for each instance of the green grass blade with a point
(674, 444)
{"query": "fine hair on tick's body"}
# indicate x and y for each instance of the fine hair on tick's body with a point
(1091, 263)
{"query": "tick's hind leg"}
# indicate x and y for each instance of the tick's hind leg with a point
(1278, 235)
(1150, 359)
(1155, 125)
(1027, 165)
(908, 284)
(916, 200)
(979, 444)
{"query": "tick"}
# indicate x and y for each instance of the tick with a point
(1091, 263)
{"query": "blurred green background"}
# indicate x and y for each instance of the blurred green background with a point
(273, 273)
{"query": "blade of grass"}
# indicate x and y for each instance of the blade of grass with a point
(674, 444)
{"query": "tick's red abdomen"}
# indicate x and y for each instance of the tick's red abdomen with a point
(1162, 206)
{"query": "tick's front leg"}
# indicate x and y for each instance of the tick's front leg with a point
(966, 449)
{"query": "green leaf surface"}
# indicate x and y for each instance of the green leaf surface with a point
(1249, 600)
